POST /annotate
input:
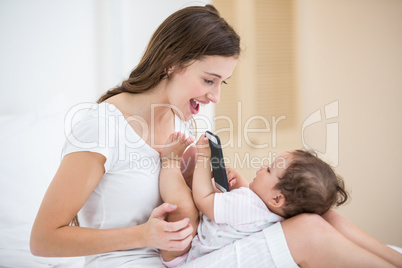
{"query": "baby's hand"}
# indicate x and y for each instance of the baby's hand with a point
(235, 179)
(202, 146)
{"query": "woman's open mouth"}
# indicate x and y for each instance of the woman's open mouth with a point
(194, 106)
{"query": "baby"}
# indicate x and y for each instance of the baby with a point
(296, 182)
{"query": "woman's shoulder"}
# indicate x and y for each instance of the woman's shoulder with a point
(119, 103)
(91, 118)
(96, 110)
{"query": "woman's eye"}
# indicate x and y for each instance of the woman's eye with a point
(224, 82)
(269, 169)
(209, 81)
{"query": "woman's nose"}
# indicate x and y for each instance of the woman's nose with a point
(215, 95)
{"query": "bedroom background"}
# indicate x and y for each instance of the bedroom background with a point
(320, 74)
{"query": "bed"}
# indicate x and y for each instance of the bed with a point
(30, 146)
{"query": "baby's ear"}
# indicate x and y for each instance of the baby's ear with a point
(278, 200)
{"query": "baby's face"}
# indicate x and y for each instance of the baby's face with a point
(268, 176)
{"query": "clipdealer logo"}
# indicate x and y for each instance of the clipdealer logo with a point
(331, 153)
(108, 125)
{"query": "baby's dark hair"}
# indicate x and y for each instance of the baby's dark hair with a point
(310, 185)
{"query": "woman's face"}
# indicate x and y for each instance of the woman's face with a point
(198, 84)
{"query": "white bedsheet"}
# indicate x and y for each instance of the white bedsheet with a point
(23, 259)
(11, 258)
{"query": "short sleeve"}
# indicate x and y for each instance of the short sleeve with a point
(94, 133)
(240, 207)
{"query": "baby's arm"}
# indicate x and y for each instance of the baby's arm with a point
(203, 191)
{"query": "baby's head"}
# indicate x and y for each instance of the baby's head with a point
(299, 182)
(309, 185)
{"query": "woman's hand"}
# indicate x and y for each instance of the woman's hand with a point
(172, 236)
(235, 179)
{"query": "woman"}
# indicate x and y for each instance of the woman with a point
(111, 162)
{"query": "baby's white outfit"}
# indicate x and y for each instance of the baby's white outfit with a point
(238, 214)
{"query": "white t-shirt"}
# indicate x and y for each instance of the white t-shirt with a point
(238, 214)
(128, 191)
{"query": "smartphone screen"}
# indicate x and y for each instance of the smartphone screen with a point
(217, 162)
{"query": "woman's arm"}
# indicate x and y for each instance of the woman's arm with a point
(75, 180)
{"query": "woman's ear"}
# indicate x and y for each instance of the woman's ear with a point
(170, 70)
(278, 200)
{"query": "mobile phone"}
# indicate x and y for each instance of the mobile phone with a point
(217, 162)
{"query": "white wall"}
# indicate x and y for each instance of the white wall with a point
(77, 48)
(47, 47)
